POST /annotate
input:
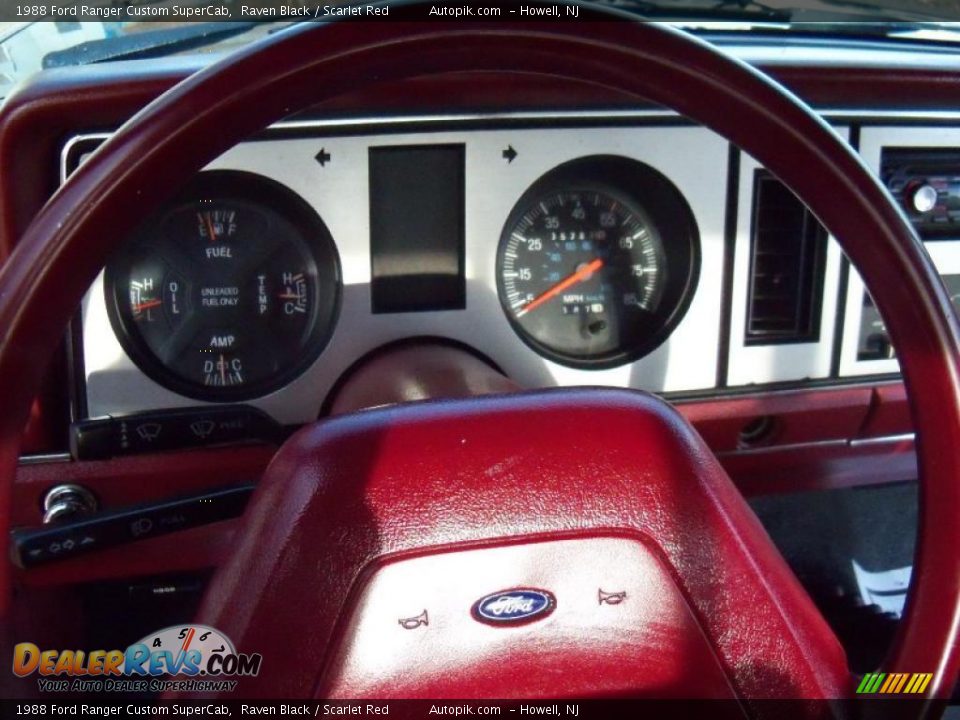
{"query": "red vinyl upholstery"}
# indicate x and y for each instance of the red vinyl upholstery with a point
(350, 495)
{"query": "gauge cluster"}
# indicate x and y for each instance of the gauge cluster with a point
(229, 292)
(584, 255)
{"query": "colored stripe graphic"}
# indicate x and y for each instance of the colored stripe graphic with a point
(918, 683)
(894, 683)
(903, 680)
(870, 682)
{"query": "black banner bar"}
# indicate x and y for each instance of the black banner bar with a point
(430, 709)
(206, 11)
(257, 11)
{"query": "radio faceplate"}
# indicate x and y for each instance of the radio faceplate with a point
(920, 166)
(926, 183)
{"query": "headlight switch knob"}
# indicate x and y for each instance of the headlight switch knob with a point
(64, 502)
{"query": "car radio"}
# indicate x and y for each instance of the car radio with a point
(926, 183)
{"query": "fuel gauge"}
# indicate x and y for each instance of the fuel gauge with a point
(216, 225)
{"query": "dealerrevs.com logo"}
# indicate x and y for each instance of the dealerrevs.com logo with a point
(185, 658)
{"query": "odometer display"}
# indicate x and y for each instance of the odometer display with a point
(229, 291)
(588, 273)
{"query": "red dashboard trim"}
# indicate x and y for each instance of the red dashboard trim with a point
(126, 481)
(776, 468)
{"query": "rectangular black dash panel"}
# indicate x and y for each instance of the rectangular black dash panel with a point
(417, 228)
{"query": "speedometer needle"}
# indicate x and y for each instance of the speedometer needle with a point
(582, 273)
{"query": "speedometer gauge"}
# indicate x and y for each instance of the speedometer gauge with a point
(597, 261)
(229, 291)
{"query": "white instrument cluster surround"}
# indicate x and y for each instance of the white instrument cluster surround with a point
(694, 159)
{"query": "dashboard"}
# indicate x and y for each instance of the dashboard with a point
(302, 255)
(608, 249)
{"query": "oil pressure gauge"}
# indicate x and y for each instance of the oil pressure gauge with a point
(229, 292)
(597, 262)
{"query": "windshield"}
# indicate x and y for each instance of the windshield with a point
(28, 47)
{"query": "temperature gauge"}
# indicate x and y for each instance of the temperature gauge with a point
(294, 295)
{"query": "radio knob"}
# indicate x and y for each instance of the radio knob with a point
(921, 198)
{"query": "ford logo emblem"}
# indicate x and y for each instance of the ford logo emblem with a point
(514, 607)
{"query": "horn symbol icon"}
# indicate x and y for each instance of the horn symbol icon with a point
(611, 598)
(412, 623)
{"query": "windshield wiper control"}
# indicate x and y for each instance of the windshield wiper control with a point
(116, 435)
(32, 547)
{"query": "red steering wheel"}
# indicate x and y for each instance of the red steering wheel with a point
(413, 513)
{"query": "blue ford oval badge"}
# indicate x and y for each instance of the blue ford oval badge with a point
(514, 607)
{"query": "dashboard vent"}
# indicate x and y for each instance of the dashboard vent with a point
(788, 249)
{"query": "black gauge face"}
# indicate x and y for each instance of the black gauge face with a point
(580, 271)
(585, 272)
(229, 292)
